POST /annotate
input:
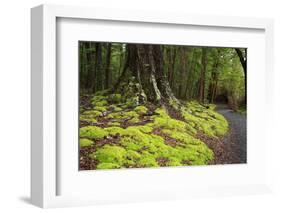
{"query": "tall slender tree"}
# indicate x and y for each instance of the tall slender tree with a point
(108, 76)
(203, 75)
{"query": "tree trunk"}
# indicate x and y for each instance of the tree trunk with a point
(243, 61)
(98, 70)
(171, 66)
(90, 69)
(214, 78)
(107, 67)
(202, 76)
(145, 64)
(183, 72)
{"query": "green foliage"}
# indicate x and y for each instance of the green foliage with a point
(85, 142)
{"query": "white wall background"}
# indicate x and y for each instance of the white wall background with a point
(15, 105)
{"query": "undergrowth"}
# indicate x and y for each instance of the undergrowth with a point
(161, 141)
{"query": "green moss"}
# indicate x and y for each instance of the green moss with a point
(92, 132)
(114, 130)
(100, 108)
(172, 161)
(131, 102)
(139, 147)
(131, 115)
(99, 101)
(116, 108)
(113, 124)
(108, 166)
(115, 98)
(110, 154)
(144, 129)
(205, 119)
(141, 109)
(164, 121)
(134, 120)
(92, 113)
(85, 142)
(148, 161)
(87, 118)
(101, 92)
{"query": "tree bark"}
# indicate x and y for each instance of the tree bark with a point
(171, 67)
(90, 69)
(107, 67)
(202, 76)
(98, 71)
(214, 78)
(243, 61)
(145, 64)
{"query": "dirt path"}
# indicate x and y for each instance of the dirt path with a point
(237, 136)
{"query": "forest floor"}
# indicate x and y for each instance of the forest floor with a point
(116, 134)
(237, 135)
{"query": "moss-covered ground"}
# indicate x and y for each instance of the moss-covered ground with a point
(118, 134)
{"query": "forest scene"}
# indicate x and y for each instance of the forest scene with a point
(150, 105)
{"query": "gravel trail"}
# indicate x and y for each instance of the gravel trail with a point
(238, 132)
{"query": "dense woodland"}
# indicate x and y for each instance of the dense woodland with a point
(206, 74)
(144, 105)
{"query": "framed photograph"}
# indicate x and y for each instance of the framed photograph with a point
(129, 106)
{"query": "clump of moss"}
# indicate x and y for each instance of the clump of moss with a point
(148, 161)
(205, 119)
(113, 124)
(108, 166)
(90, 116)
(100, 108)
(85, 142)
(92, 132)
(131, 116)
(87, 119)
(164, 121)
(115, 108)
(141, 109)
(99, 100)
(115, 98)
(110, 154)
(92, 113)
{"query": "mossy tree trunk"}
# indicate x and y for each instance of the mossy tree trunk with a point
(145, 65)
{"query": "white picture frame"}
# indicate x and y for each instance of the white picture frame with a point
(45, 174)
